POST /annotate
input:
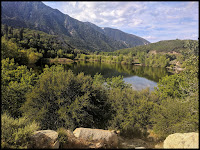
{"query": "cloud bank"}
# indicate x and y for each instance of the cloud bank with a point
(154, 21)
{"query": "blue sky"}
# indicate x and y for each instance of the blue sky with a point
(152, 20)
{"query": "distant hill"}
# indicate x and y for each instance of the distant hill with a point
(161, 46)
(38, 16)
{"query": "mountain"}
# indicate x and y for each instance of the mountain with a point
(38, 16)
(129, 39)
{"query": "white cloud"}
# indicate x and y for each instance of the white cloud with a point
(153, 20)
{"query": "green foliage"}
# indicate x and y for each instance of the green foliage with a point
(33, 55)
(157, 60)
(70, 56)
(170, 86)
(11, 72)
(183, 84)
(129, 60)
(16, 133)
(61, 99)
(58, 98)
(178, 104)
(16, 82)
(116, 82)
(131, 111)
(60, 53)
(83, 56)
(62, 136)
(175, 116)
(25, 39)
(120, 58)
(10, 50)
(161, 46)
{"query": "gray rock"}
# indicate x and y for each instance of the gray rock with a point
(182, 140)
(107, 137)
(44, 139)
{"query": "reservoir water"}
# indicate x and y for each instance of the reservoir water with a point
(139, 77)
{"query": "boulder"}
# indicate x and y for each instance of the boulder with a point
(105, 137)
(182, 140)
(73, 142)
(44, 139)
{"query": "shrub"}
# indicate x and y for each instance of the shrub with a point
(16, 133)
(131, 111)
(174, 116)
(16, 81)
(62, 99)
(62, 136)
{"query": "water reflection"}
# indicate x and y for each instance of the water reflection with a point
(139, 83)
(110, 70)
(138, 76)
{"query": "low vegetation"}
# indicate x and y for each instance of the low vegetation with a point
(16, 133)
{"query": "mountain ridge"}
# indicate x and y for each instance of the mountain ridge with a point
(36, 15)
(119, 35)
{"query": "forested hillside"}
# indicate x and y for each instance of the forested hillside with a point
(169, 53)
(29, 46)
(161, 46)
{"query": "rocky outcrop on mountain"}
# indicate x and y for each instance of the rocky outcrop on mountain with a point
(44, 139)
(182, 140)
(105, 137)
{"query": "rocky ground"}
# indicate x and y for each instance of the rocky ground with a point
(136, 143)
(83, 138)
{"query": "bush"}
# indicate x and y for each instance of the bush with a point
(62, 136)
(16, 133)
(131, 111)
(16, 81)
(174, 116)
(62, 99)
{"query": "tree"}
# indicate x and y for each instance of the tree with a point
(131, 111)
(60, 53)
(120, 58)
(21, 31)
(16, 82)
(173, 116)
(34, 57)
(61, 99)
(116, 82)
(10, 31)
(6, 29)
(8, 49)
(178, 105)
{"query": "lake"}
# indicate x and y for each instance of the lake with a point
(139, 77)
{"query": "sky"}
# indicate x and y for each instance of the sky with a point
(152, 20)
